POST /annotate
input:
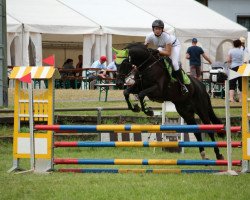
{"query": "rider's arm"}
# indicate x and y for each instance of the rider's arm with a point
(166, 51)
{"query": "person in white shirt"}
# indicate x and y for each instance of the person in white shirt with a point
(245, 50)
(167, 45)
(235, 59)
(100, 63)
(109, 69)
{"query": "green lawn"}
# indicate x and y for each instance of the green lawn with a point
(122, 186)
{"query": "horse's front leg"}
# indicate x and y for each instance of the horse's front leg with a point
(126, 93)
(147, 110)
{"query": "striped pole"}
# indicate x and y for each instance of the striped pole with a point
(142, 162)
(128, 127)
(154, 171)
(144, 144)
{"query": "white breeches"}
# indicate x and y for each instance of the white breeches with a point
(175, 56)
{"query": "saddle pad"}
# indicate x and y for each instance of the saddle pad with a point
(170, 70)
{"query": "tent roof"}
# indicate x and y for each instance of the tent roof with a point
(81, 17)
(190, 18)
(50, 16)
(120, 17)
(13, 24)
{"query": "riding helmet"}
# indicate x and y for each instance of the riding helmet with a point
(158, 23)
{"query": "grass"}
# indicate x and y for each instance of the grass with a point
(69, 98)
(121, 186)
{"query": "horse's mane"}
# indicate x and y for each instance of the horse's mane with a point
(142, 47)
(136, 44)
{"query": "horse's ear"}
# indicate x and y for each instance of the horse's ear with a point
(115, 50)
(121, 55)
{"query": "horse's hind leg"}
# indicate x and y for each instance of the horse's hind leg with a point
(206, 120)
(188, 116)
(219, 156)
(198, 137)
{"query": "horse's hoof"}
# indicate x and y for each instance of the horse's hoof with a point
(203, 156)
(136, 108)
(220, 157)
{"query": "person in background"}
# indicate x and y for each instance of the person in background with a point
(194, 54)
(245, 50)
(235, 59)
(79, 64)
(110, 68)
(98, 64)
(68, 64)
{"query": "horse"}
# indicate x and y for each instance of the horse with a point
(146, 75)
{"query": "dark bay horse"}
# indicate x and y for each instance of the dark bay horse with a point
(150, 78)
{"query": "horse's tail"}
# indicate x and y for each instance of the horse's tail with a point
(214, 119)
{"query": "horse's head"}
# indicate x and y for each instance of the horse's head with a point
(129, 58)
(123, 66)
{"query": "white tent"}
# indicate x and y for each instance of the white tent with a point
(94, 22)
(192, 19)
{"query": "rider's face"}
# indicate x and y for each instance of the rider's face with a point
(158, 31)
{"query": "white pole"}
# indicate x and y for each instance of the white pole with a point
(163, 112)
(31, 123)
(182, 136)
(228, 130)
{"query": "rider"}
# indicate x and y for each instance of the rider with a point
(168, 45)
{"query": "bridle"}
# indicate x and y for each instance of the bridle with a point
(145, 61)
(136, 68)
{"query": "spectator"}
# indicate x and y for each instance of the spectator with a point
(92, 75)
(110, 68)
(68, 64)
(100, 63)
(194, 55)
(235, 59)
(245, 50)
(79, 64)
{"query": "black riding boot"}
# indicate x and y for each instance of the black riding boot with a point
(179, 76)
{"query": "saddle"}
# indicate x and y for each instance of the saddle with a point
(169, 66)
